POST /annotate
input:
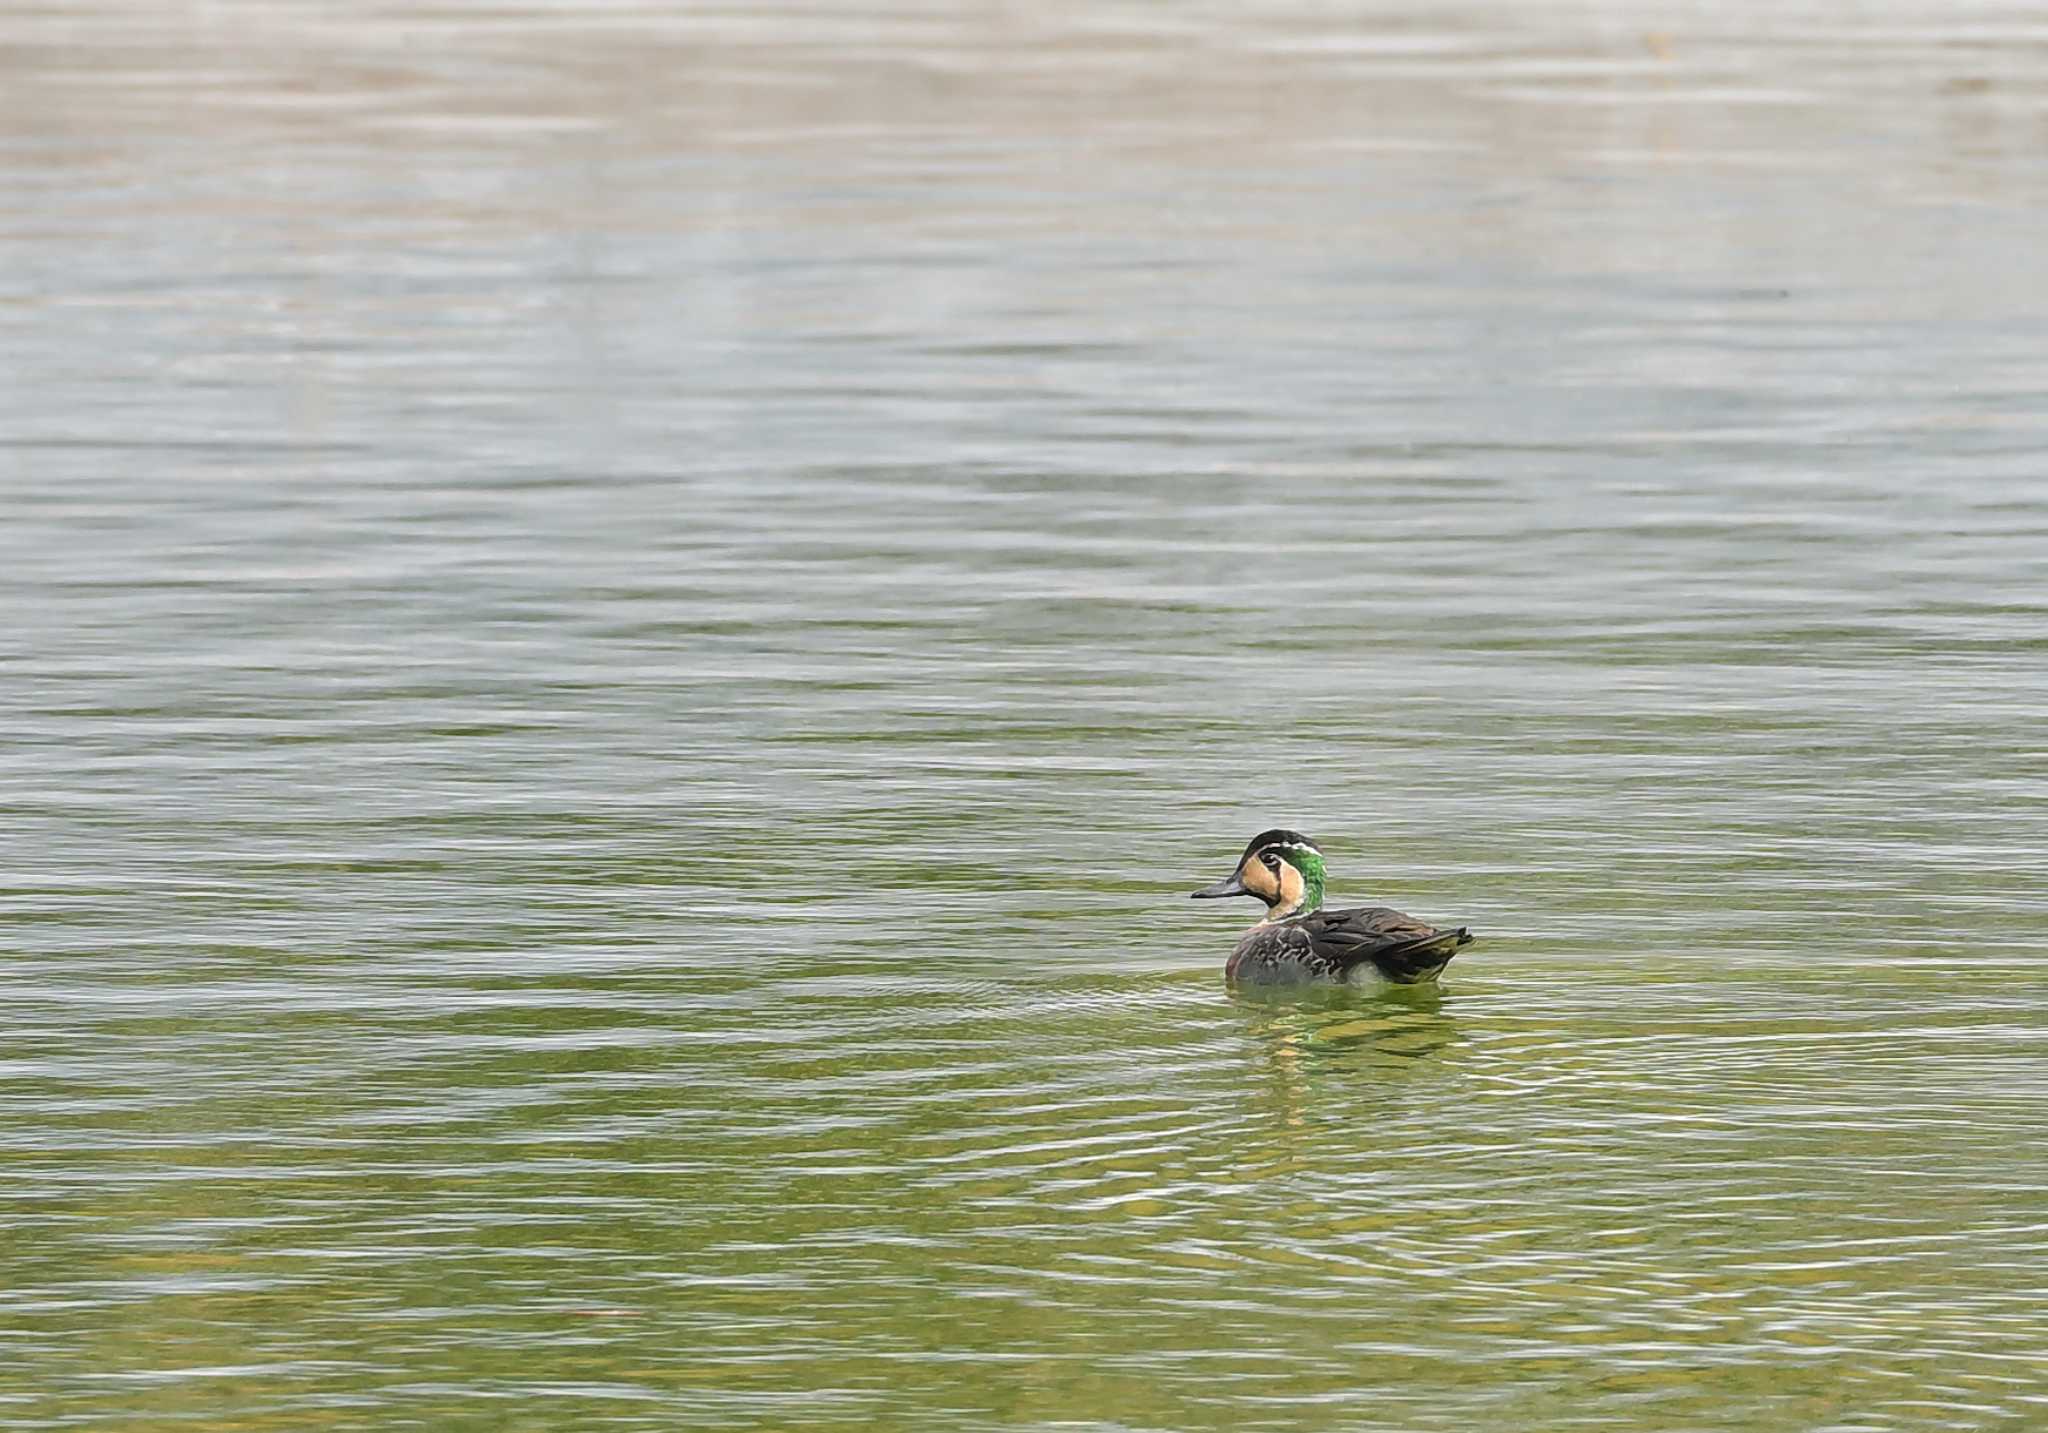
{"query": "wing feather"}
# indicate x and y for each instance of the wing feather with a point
(1401, 947)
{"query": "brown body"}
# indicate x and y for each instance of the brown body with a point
(1344, 945)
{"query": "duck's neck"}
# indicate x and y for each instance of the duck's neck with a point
(1301, 890)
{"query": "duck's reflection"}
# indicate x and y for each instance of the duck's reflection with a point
(1317, 1040)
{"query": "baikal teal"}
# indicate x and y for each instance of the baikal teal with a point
(1299, 941)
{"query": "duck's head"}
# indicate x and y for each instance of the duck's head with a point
(1282, 868)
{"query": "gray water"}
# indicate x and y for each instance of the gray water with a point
(627, 626)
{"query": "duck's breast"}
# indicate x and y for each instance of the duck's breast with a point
(1266, 956)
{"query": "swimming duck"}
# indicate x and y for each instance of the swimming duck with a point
(1300, 941)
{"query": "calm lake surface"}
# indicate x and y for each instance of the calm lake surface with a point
(627, 627)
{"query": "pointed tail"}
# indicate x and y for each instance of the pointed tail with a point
(1421, 958)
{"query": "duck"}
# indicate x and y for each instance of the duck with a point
(1299, 941)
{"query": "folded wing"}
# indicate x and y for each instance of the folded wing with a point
(1400, 947)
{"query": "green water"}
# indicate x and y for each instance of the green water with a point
(628, 627)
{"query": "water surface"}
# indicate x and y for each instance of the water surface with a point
(630, 624)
